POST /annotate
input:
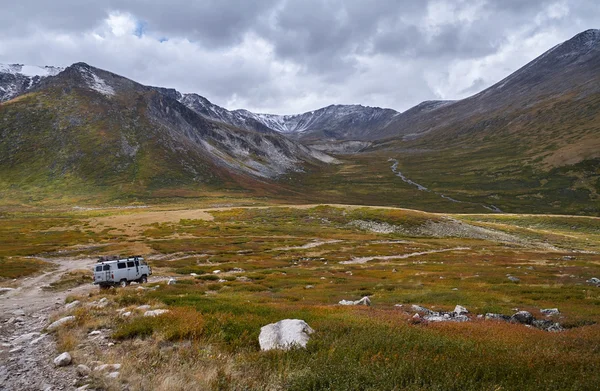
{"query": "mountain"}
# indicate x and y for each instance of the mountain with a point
(86, 128)
(529, 142)
(16, 79)
(335, 122)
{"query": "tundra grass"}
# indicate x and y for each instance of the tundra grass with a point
(246, 268)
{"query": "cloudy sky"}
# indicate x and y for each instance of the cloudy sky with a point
(290, 56)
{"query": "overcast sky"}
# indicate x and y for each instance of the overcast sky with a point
(292, 56)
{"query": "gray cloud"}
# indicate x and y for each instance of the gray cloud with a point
(288, 56)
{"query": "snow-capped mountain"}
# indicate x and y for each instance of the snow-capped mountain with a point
(16, 79)
(331, 122)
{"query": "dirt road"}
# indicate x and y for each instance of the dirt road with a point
(26, 354)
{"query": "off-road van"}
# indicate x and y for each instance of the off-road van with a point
(121, 272)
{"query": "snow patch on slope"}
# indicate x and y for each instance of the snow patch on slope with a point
(30, 70)
(96, 83)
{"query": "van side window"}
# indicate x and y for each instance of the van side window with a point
(121, 265)
(98, 268)
(130, 264)
(106, 267)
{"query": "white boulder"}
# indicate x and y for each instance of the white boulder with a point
(63, 360)
(364, 301)
(155, 312)
(550, 311)
(285, 334)
(460, 310)
(72, 305)
(60, 322)
(172, 281)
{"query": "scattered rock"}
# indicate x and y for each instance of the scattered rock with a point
(112, 375)
(490, 315)
(193, 274)
(460, 310)
(25, 338)
(309, 287)
(155, 312)
(514, 279)
(63, 360)
(143, 307)
(5, 290)
(38, 339)
(107, 367)
(550, 311)
(423, 310)
(60, 322)
(72, 305)
(523, 317)
(237, 270)
(18, 313)
(594, 280)
(95, 332)
(126, 314)
(216, 271)
(16, 350)
(103, 300)
(285, 334)
(83, 370)
(172, 281)
(447, 317)
(83, 387)
(364, 301)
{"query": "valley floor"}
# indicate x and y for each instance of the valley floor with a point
(240, 268)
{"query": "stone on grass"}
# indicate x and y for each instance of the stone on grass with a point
(550, 311)
(155, 312)
(63, 360)
(514, 279)
(523, 317)
(364, 301)
(460, 310)
(107, 367)
(309, 287)
(72, 305)
(490, 315)
(53, 326)
(285, 334)
(418, 308)
(126, 314)
(83, 370)
(143, 307)
(594, 280)
(446, 318)
(172, 281)
(112, 375)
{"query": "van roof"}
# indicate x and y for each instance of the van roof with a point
(122, 260)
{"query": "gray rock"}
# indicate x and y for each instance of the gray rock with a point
(83, 370)
(523, 317)
(72, 305)
(18, 313)
(460, 310)
(53, 326)
(25, 338)
(364, 301)
(422, 310)
(493, 316)
(285, 334)
(514, 279)
(38, 339)
(63, 360)
(172, 281)
(550, 311)
(155, 312)
(112, 375)
(143, 307)
(446, 318)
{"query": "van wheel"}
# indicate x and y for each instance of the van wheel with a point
(123, 283)
(143, 279)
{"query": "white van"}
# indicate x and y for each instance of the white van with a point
(121, 272)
